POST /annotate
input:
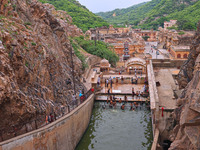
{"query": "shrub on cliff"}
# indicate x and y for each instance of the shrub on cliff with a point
(78, 54)
(81, 16)
(100, 49)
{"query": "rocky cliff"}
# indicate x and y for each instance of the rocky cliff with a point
(35, 64)
(186, 133)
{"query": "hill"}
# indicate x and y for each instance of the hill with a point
(118, 19)
(81, 16)
(153, 14)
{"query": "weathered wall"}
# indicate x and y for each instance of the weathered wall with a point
(63, 134)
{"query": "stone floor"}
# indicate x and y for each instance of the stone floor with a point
(122, 88)
(129, 98)
(165, 90)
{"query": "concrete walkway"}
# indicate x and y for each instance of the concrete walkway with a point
(165, 90)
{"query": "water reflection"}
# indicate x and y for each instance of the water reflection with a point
(114, 129)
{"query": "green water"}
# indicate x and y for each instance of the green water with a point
(115, 129)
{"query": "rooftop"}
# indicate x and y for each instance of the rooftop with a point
(181, 48)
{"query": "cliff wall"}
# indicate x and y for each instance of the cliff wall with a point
(186, 132)
(35, 65)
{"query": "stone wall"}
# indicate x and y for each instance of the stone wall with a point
(167, 63)
(63, 134)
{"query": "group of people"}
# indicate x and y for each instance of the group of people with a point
(50, 118)
(108, 81)
(139, 94)
(112, 101)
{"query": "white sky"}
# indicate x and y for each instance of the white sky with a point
(108, 5)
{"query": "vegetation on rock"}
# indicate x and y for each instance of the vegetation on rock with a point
(81, 16)
(100, 49)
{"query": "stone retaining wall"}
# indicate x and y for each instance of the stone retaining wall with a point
(63, 134)
(167, 63)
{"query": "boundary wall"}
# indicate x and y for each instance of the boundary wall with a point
(63, 134)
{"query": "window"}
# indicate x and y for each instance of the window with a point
(185, 56)
(179, 56)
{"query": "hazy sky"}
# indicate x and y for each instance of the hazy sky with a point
(107, 5)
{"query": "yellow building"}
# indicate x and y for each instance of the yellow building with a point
(180, 52)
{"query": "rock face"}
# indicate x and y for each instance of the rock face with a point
(187, 70)
(35, 64)
(186, 133)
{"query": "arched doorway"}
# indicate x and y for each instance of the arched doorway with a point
(179, 56)
(185, 56)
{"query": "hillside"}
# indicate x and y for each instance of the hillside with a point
(81, 16)
(153, 14)
(119, 13)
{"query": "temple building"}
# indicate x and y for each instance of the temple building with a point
(104, 65)
(136, 65)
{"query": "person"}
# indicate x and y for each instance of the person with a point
(114, 98)
(131, 108)
(125, 99)
(132, 80)
(133, 93)
(144, 88)
(68, 81)
(136, 80)
(107, 82)
(136, 94)
(145, 82)
(120, 100)
(114, 104)
(136, 104)
(111, 104)
(111, 97)
(108, 91)
(49, 118)
(139, 95)
(122, 79)
(46, 119)
(83, 92)
(54, 115)
(123, 106)
(110, 78)
(98, 81)
(116, 80)
(81, 97)
(111, 82)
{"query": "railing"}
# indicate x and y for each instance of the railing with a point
(40, 121)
